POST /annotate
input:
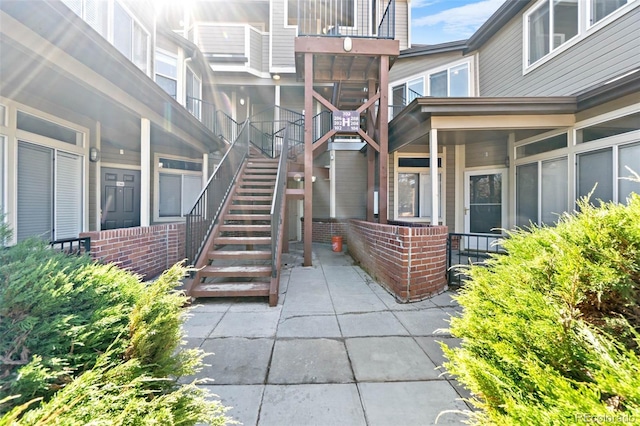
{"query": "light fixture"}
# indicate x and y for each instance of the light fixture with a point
(506, 161)
(276, 77)
(94, 154)
(300, 178)
(347, 44)
(241, 101)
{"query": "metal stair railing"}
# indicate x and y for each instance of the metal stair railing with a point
(276, 205)
(267, 127)
(206, 210)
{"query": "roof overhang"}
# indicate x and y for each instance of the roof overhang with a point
(52, 57)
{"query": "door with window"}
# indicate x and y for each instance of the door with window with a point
(485, 206)
(120, 198)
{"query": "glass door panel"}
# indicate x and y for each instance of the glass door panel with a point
(484, 206)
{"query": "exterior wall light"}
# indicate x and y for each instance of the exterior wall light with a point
(347, 44)
(94, 154)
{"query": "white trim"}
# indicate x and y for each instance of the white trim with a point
(156, 181)
(145, 172)
(584, 30)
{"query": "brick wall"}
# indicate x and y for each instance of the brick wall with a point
(410, 262)
(145, 250)
(323, 229)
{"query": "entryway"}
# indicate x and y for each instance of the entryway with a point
(120, 204)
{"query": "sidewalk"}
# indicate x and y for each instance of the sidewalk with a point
(337, 350)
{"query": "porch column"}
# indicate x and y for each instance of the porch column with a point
(383, 116)
(205, 169)
(145, 171)
(433, 168)
(308, 156)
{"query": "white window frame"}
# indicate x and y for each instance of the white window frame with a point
(585, 29)
(286, 16)
(448, 68)
(156, 73)
(156, 183)
(442, 175)
(134, 21)
(197, 110)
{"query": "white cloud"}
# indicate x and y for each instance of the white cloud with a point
(460, 21)
(417, 4)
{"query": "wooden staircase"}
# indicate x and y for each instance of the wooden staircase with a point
(237, 259)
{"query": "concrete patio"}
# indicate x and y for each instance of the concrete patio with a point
(337, 350)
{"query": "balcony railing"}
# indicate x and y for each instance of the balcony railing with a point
(464, 250)
(72, 246)
(343, 18)
(217, 121)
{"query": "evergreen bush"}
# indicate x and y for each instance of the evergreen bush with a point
(85, 343)
(551, 331)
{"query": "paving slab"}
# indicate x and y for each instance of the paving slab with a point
(308, 326)
(444, 299)
(311, 405)
(237, 361)
(358, 303)
(412, 403)
(210, 305)
(201, 324)
(426, 322)
(248, 324)
(243, 401)
(371, 324)
(432, 347)
(379, 359)
(343, 276)
(309, 361)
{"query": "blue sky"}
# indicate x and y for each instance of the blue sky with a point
(439, 21)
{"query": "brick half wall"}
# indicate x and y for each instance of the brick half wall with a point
(410, 262)
(145, 250)
(323, 229)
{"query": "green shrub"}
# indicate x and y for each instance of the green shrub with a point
(550, 332)
(82, 342)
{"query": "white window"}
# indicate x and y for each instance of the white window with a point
(551, 26)
(414, 188)
(450, 82)
(194, 93)
(94, 12)
(541, 191)
(415, 89)
(166, 68)
(602, 8)
(179, 183)
(130, 38)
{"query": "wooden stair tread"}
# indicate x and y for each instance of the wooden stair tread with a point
(239, 254)
(248, 228)
(252, 197)
(254, 191)
(266, 207)
(242, 240)
(231, 289)
(236, 271)
(242, 183)
(261, 171)
(234, 216)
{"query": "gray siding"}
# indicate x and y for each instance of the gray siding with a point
(407, 67)
(282, 39)
(221, 39)
(255, 52)
(321, 190)
(351, 185)
(606, 53)
(402, 24)
(111, 154)
(486, 154)
(292, 98)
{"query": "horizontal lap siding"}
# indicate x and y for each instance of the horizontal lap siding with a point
(282, 39)
(256, 50)
(222, 39)
(351, 185)
(486, 154)
(606, 53)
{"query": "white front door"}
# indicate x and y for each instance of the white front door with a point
(485, 206)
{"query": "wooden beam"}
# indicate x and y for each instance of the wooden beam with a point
(335, 45)
(369, 140)
(324, 139)
(323, 101)
(308, 155)
(370, 102)
(383, 139)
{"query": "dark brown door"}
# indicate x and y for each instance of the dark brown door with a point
(120, 198)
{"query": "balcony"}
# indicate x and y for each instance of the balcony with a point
(342, 18)
(234, 47)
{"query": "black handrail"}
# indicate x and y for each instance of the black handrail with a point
(276, 205)
(76, 246)
(206, 210)
(464, 249)
(387, 27)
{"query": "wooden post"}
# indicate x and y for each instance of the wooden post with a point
(308, 156)
(383, 123)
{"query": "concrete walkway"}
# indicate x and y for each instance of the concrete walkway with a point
(337, 350)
